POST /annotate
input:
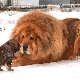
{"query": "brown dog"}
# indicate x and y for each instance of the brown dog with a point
(43, 38)
(7, 51)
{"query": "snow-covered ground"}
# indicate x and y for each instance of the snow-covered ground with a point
(62, 70)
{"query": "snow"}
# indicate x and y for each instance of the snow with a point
(62, 70)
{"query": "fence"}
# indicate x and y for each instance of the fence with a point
(31, 3)
(27, 3)
(37, 3)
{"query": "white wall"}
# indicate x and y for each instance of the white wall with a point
(25, 3)
(22, 3)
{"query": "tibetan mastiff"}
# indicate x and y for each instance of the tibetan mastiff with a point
(7, 51)
(43, 39)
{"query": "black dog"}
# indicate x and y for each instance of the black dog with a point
(7, 51)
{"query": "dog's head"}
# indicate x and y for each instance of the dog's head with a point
(14, 45)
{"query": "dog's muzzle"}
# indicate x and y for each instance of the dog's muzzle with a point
(25, 47)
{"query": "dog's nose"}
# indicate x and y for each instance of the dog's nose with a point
(25, 47)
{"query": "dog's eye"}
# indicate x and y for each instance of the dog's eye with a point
(23, 36)
(31, 38)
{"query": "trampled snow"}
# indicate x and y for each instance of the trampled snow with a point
(62, 70)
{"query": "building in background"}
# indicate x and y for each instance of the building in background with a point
(31, 3)
(20, 3)
(53, 2)
(25, 3)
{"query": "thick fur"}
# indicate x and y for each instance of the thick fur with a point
(73, 26)
(43, 38)
(7, 51)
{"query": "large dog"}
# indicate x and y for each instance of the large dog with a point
(43, 38)
(7, 51)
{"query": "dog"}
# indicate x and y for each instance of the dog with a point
(42, 37)
(7, 51)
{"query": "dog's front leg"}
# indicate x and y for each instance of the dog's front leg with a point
(8, 66)
(1, 69)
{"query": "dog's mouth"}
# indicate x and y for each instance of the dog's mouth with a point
(25, 49)
(25, 52)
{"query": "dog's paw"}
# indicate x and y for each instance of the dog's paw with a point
(11, 70)
(1, 70)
